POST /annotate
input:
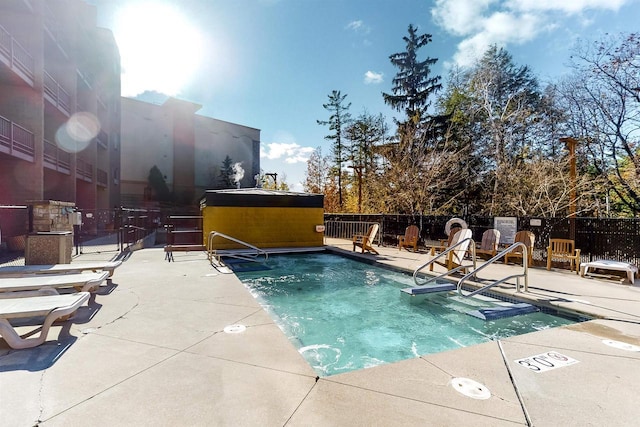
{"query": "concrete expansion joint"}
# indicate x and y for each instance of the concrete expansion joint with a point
(525, 412)
(40, 392)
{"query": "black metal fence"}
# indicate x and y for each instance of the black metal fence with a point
(597, 238)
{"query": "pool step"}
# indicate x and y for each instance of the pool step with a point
(480, 306)
(428, 289)
(500, 312)
(242, 265)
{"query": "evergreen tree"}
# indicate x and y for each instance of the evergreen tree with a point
(338, 119)
(159, 185)
(413, 85)
(226, 173)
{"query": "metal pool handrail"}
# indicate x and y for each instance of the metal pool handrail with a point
(248, 256)
(524, 274)
(472, 247)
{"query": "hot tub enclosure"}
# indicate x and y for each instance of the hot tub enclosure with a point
(263, 218)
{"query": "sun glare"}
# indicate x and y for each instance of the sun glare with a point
(159, 48)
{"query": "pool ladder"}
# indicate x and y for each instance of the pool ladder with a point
(249, 254)
(524, 274)
(473, 273)
(472, 248)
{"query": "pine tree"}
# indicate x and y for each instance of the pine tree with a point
(338, 119)
(226, 173)
(412, 85)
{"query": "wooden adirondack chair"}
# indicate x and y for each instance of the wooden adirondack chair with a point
(489, 244)
(410, 238)
(455, 257)
(563, 249)
(445, 243)
(526, 237)
(365, 241)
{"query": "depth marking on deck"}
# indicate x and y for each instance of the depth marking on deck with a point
(546, 361)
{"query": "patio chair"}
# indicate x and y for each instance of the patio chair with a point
(11, 287)
(455, 257)
(489, 245)
(526, 237)
(365, 241)
(29, 270)
(445, 243)
(51, 307)
(410, 238)
(563, 249)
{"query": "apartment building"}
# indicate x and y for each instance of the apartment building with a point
(59, 107)
(187, 148)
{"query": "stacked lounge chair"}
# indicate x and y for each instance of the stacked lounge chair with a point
(31, 291)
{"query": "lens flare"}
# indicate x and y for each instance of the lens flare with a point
(76, 134)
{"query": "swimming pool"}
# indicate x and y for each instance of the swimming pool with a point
(345, 315)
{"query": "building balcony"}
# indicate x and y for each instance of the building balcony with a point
(16, 140)
(85, 78)
(53, 29)
(56, 158)
(101, 177)
(56, 94)
(84, 170)
(103, 140)
(16, 57)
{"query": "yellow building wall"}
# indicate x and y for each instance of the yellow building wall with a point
(264, 227)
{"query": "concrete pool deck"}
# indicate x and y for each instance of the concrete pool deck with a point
(150, 350)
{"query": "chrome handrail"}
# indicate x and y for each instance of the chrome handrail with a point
(211, 253)
(525, 273)
(472, 246)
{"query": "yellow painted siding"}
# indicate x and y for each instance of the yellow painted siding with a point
(264, 227)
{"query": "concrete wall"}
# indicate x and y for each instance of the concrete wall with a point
(216, 139)
(264, 227)
(146, 140)
(172, 137)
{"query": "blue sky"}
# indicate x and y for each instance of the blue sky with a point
(270, 64)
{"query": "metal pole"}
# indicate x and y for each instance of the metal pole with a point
(571, 146)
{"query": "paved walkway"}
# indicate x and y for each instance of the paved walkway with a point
(150, 350)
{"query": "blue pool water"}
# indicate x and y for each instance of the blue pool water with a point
(345, 315)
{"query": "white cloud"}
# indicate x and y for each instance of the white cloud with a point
(460, 17)
(358, 26)
(568, 6)
(503, 22)
(289, 152)
(371, 77)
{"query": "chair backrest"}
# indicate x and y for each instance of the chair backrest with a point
(371, 233)
(562, 246)
(490, 240)
(460, 236)
(526, 237)
(411, 233)
(454, 230)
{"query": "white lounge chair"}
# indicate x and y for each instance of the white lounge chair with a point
(76, 267)
(52, 307)
(84, 282)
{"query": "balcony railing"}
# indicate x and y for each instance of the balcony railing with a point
(84, 170)
(53, 28)
(17, 57)
(85, 78)
(16, 140)
(56, 93)
(56, 158)
(101, 177)
(103, 139)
